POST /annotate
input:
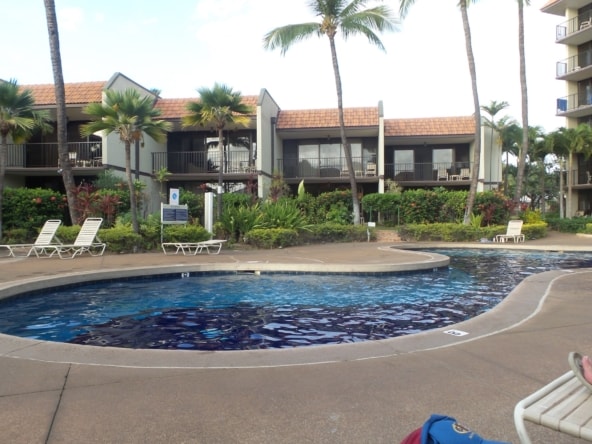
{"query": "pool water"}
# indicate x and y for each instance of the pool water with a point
(248, 311)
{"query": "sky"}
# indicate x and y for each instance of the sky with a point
(191, 44)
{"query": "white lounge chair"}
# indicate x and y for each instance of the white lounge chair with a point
(47, 236)
(193, 248)
(87, 241)
(514, 232)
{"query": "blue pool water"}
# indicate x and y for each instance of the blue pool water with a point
(247, 311)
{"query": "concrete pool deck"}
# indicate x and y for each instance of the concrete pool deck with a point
(374, 392)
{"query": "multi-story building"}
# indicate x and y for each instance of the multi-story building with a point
(301, 145)
(574, 31)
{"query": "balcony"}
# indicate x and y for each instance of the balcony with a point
(575, 31)
(574, 105)
(575, 68)
(457, 173)
(326, 167)
(45, 155)
(203, 163)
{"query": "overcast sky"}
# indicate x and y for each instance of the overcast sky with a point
(189, 44)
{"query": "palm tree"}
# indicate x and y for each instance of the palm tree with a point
(403, 8)
(570, 141)
(492, 109)
(524, 103)
(539, 147)
(219, 106)
(350, 19)
(510, 133)
(61, 118)
(129, 115)
(18, 120)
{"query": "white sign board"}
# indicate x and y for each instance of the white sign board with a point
(174, 196)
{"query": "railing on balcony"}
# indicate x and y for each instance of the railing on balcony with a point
(574, 63)
(573, 102)
(427, 172)
(325, 167)
(575, 24)
(201, 162)
(45, 155)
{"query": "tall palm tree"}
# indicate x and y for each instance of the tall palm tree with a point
(129, 115)
(18, 121)
(404, 8)
(524, 102)
(349, 17)
(61, 118)
(570, 141)
(492, 109)
(219, 106)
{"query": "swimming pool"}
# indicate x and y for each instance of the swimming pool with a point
(234, 311)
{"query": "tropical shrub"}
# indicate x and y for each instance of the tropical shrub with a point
(272, 237)
(494, 206)
(29, 208)
(283, 213)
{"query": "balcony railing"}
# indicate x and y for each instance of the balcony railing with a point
(576, 25)
(45, 155)
(201, 162)
(325, 167)
(573, 65)
(427, 172)
(574, 105)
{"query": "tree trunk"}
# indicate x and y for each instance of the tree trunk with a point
(3, 155)
(220, 172)
(524, 96)
(344, 141)
(477, 144)
(61, 118)
(131, 187)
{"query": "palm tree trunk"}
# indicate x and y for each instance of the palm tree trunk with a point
(61, 118)
(131, 187)
(3, 156)
(477, 144)
(524, 96)
(344, 141)
(220, 172)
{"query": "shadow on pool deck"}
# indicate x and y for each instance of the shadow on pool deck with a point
(345, 394)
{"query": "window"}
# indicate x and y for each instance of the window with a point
(404, 160)
(442, 157)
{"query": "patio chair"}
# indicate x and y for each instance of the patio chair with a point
(465, 173)
(442, 174)
(193, 248)
(87, 241)
(513, 231)
(47, 236)
(370, 169)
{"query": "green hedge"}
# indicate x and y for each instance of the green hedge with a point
(464, 233)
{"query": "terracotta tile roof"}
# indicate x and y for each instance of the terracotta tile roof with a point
(327, 118)
(176, 108)
(436, 126)
(76, 93)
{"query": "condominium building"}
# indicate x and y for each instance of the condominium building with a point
(299, 145)
(574, 32)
